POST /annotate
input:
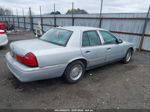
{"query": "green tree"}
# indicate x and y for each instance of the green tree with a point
(5, 11)
(56, 12)
(76, 11)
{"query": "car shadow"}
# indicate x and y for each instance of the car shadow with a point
(56, 83)
(3, 47)
(35, 85)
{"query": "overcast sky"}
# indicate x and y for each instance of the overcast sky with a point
(91, 6)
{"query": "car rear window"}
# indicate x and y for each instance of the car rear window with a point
(57, 36)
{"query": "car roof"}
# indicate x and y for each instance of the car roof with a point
(81, 28)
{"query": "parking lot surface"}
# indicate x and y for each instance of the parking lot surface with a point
(114, 86)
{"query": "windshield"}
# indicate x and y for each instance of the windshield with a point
(57, 36)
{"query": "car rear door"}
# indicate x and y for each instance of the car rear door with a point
(113, 49)
(92, 48)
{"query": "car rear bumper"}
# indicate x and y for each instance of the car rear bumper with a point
(27, 74)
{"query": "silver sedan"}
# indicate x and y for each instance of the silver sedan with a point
(3, 38)
(67, 52)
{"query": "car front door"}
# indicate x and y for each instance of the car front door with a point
(92, 48)
(113, 49)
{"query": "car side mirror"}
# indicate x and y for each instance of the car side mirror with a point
(38, 36)
(119, 41)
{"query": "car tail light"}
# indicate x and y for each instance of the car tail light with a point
(29, 59)
(2, 32)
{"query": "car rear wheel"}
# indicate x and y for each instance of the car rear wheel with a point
(128, 56)
(74, 72)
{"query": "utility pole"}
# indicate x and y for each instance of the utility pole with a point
(72, 14)
(41, 18)
(40, 11)
(5, 16)
(100, 14)
(17, 17)
(144, 29)
(23, 18)
(22, 12)
(54, 17)
(31, 19)
(30, 11)
(54, 9)
(13, 18)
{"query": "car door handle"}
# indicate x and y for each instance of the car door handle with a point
(108, 48)
(87, 51)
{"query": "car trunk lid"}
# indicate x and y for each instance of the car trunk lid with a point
(33, 45)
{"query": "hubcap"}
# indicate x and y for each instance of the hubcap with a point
(76, 72)
(128, 57)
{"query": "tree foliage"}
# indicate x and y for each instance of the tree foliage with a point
(56, 12)
(5, 11)
(77, 11)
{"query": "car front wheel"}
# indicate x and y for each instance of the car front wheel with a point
(74, 72)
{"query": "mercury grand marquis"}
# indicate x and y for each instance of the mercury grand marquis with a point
(66, 52)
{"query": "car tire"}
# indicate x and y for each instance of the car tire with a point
(128, 56)
(74, 72)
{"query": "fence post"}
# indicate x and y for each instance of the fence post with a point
(17, 18)
(42, 23)
(144, 29)
(24, 22)
(73, 21)
(9, 19)
(18, 22)
(54, 21)
(13, 20)
(32, 23)
(5, 17)
(2, 17)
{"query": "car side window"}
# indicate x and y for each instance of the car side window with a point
(108, 37)
(90, 38)
(85, 40)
